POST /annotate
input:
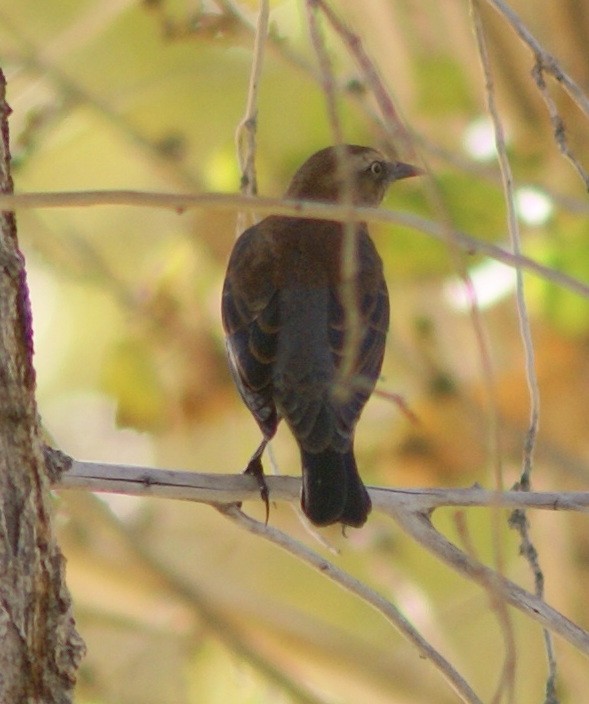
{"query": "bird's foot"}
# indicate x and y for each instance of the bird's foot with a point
(256, 470)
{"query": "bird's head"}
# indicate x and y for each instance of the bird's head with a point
(322, 176)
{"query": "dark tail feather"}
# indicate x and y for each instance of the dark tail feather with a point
(332, 489)
(358, 503)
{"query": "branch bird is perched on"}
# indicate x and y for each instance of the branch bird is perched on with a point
(285, 325)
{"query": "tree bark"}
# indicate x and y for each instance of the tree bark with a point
(40, 649)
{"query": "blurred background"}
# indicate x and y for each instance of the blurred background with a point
(174, 603)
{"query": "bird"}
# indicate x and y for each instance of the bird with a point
(284, 320)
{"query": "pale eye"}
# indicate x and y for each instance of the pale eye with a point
(376, 168)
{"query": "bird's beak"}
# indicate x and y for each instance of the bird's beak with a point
(398, 170)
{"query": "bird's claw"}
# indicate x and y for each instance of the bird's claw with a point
(256, 470)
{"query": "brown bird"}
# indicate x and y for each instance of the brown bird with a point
(285, 326)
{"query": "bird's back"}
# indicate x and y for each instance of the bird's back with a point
(287, 312)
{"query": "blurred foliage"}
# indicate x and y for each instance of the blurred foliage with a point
(175, 604)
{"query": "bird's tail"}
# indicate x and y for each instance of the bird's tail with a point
(332, 489)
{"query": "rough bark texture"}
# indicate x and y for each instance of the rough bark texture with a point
(39, 647)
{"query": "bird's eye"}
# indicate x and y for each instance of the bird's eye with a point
(376, 168)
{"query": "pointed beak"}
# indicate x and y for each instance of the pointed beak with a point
(398, 170)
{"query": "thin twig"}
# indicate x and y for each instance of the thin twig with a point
(225, 630)
(497, 603)
(349, 255)
(393, 125)
(508, 679)
(548, 61)
(325, 71)
(277, 206)
(245, 134)
(527, 548)
(558, 125)
(514, 232)
(359, 589)
(411, 508)
(418, 525)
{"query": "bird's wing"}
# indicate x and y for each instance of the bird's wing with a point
(251, 318)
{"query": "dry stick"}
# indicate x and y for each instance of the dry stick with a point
(547, 61)
(392, 124)
(385, 104)
(245, 135)
(410, 507)
(557, 122)
(326, 74)
(507, 678)
(226, 631)
(396, 130)
(526, 548)
(513, 228)
(228, 488)
(277, 206)
(419, 526)
(359, 589)
(348, 263)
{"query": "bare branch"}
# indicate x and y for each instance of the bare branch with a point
(349, 254)
(527, 548)
(558, 125)
(498, 607)
(230, 488)
(419, 526)
(245, 134)
(311, 209)
(359, 589)
(548, 62)
(393, 125)
(513, 228)
(411, 508)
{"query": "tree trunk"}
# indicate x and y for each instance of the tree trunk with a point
(40, 649)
